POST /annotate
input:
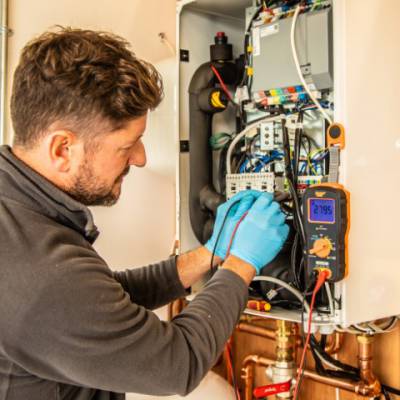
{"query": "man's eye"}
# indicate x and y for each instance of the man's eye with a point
(127, 148)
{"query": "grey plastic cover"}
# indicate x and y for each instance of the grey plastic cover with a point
(272, 55)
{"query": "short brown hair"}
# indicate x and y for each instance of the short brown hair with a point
(80, 79)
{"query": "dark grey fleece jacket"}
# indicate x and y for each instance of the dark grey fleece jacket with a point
(70, 328)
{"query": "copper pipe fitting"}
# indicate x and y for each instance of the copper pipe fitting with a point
(335, 343)
(248, 372)
(285, 342)
(267, 333)
(369, 384)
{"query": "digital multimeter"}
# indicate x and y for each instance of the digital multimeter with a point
(326, 218)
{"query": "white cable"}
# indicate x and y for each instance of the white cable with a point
(240, 135)
(347, 330)
(330, 299)
(378, 329)
(291, 289)
(297, 63)
(371, 328)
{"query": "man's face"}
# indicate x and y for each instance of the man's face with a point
(99, 174)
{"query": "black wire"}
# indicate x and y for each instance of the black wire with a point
(293, 258)
(286, 152)
(212, 268)
(348, 368)
(385, 393)
(391, 390)
(296, 150)
(297, 213)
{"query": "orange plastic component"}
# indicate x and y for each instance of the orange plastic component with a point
(336, 135)
(322, 248)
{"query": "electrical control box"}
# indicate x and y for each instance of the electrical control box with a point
(342, 73)
(272, 54)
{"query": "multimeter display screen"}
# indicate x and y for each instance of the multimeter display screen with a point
(322, 210)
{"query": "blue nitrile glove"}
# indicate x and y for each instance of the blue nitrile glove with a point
(237, 206)
(261, 234)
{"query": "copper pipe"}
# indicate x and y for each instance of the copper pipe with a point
(334, 382)
(335, 344)
(248, 372)
(250, 318)
(256, 330)
(253, 360)
(369, 385)
(266, 333)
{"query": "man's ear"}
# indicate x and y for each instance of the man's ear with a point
(60, 147)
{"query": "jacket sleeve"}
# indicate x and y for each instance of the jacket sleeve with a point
(152, 286)
(82, 328)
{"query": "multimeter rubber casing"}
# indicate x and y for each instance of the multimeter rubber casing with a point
(326, 218)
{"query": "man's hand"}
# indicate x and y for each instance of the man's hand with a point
(258, 239)
(235, 208)
(262, 233)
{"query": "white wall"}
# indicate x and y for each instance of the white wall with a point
(141, 227)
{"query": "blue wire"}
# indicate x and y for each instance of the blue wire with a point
(263, 160)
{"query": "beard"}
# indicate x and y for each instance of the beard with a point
(91, 190)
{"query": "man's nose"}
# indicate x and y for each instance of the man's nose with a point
(138, 157)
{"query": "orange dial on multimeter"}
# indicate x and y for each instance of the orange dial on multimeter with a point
(326, 218)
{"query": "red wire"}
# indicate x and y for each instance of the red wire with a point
(228, 364)
(228, 350)
(221, 82)
(323, 275)
(234, 232)
(228, 345)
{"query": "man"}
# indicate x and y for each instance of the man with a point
(70, 327)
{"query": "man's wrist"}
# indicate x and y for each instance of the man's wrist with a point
(194, 264)
(245, 270)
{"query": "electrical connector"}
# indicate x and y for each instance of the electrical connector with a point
(324, 271)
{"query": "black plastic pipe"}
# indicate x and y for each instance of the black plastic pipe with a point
(200, 128)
